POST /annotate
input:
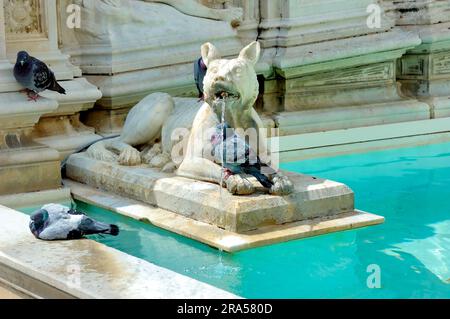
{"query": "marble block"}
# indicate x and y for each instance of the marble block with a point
(25, 165)
(214, 236)
(205, 202)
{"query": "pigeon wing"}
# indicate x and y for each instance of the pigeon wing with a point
(88, 226)
(43, 77)
(63, 228)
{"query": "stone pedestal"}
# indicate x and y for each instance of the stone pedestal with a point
(203, 211)
(205, 202)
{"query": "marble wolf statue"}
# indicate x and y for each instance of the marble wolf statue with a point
(149, 130)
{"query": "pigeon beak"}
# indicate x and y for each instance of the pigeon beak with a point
(22, 62)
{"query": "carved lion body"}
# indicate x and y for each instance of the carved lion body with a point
(153, 122)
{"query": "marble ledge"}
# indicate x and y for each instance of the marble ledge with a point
(42, 269)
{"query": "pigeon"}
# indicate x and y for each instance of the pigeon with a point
(199, 74)
(35, 76)
(237, 156)
(58, 222)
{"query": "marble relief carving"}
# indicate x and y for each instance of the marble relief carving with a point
(23, 17)
(441, 63)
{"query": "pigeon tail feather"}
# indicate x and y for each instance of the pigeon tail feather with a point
(58, 88)
(263, 179)
(91, 227)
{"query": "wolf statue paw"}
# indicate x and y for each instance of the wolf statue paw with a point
(150, 152)
(130, 157)
(238, 185)
(160, 160)
(281, 185)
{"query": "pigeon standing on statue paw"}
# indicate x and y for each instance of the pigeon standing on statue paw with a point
(35, 76)
(237, 156)
(58, 222)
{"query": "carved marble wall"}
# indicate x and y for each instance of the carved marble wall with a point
(24, 17)
(316, 55)
(424, 71)
(331, 67)
(137, 48)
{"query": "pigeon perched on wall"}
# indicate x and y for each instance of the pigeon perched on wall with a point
(237, 156)
(58, 222)
(35, 76)
(199, 74)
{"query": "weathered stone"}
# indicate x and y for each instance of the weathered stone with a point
(25, 166)
(424, 71)
(339, 118)
(29, 168)
(419, 12)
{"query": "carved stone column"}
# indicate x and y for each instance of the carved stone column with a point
(35, 136)
(25, 165)
(32, 26)
(333, 69)
(425, 70)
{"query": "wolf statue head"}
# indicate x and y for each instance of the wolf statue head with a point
(232, 81)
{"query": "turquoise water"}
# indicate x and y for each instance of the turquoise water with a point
(410, 187)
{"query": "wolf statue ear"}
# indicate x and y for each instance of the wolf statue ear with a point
(209, 53)
(251, 53)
